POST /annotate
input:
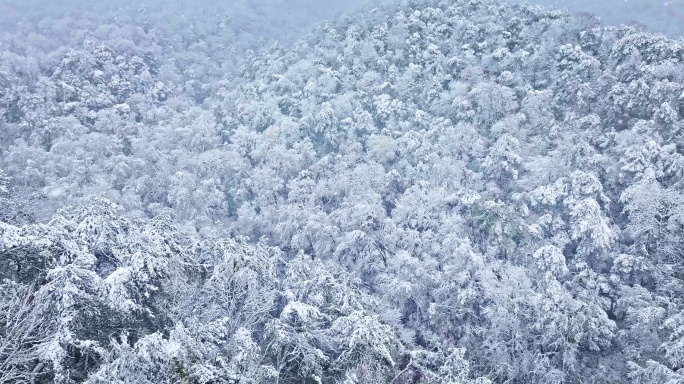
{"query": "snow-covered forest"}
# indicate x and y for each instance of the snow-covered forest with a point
(662, 16)
(413, 192)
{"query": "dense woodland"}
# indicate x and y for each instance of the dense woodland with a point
(452, 192)
(661, 16)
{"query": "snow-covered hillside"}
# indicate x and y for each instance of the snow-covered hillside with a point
(432, 192)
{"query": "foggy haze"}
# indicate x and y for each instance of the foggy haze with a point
(341, 192)
(286, 20)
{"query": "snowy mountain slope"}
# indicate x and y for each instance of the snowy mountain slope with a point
(433, 192)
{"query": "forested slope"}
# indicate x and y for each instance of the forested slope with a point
(434, 192)
(658, 16)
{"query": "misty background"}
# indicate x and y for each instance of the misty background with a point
(287, 20)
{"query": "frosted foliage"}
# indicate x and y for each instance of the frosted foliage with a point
(590, 225)
(417, 191)
(550, 258)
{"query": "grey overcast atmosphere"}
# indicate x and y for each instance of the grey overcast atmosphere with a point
(342, 192)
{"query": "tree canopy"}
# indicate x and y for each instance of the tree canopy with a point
(432, 191)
